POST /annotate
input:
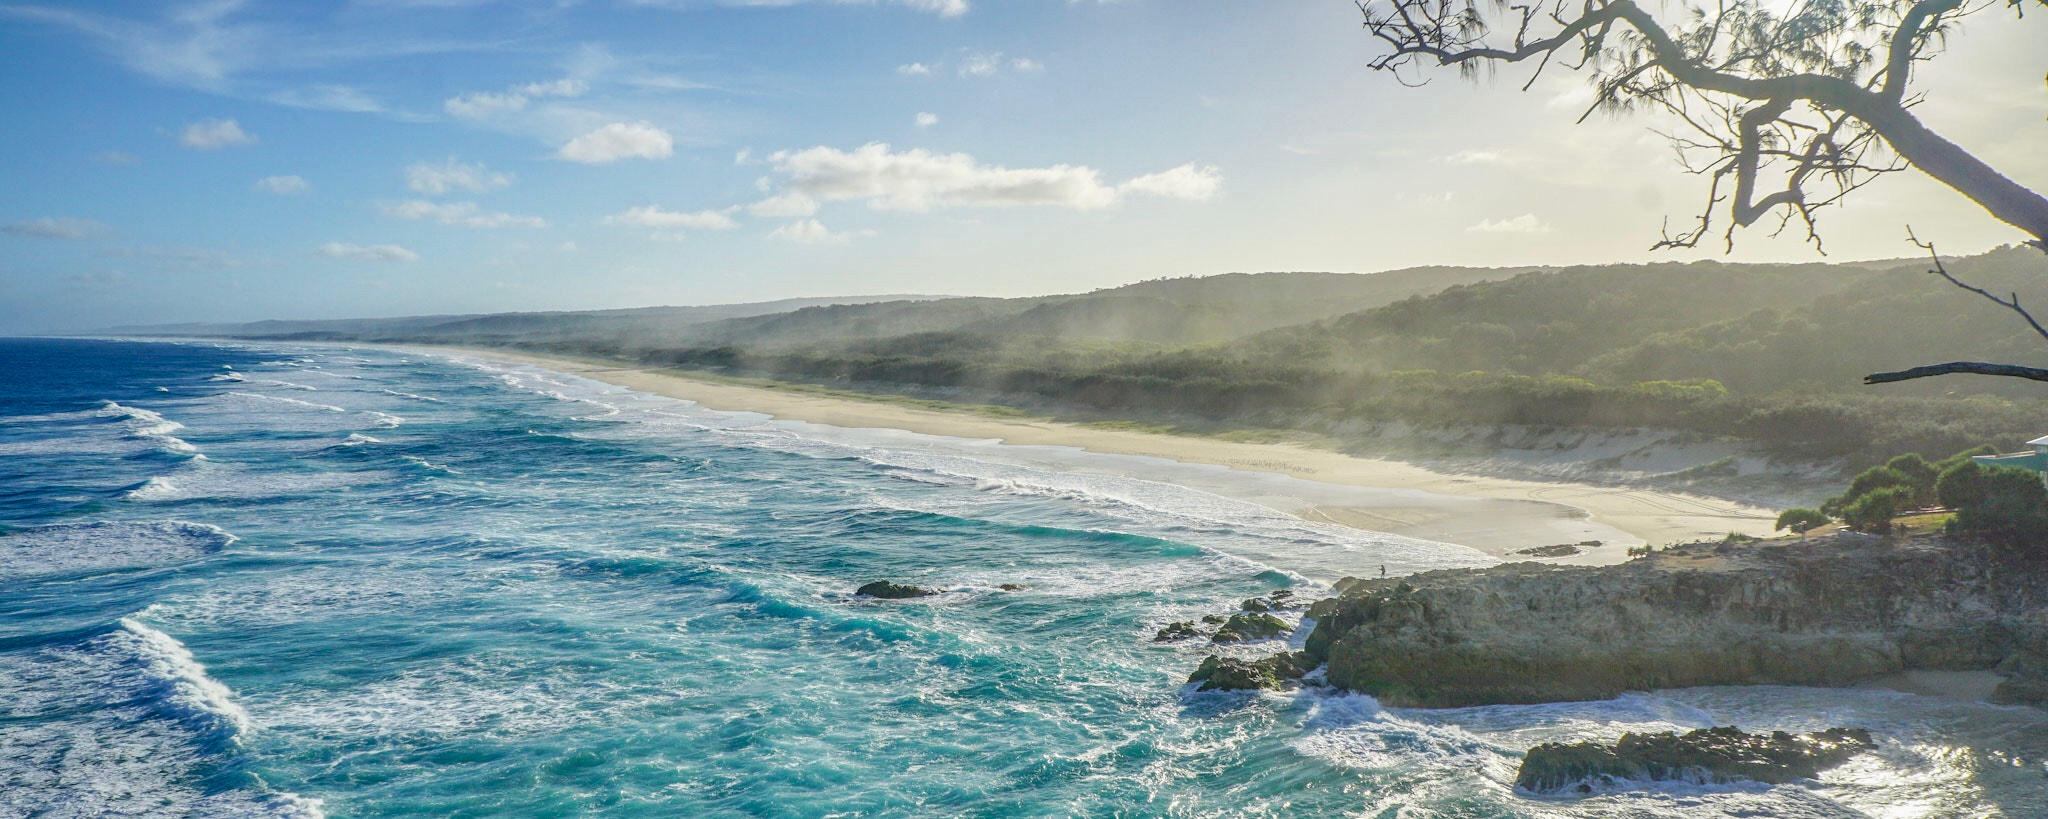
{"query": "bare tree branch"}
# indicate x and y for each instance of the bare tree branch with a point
(1959, 367)
(2012, 302)
(1810, 58)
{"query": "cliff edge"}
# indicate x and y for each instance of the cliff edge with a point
(1830, 611)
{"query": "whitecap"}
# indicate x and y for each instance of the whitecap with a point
(73, 548)
(180, 682)
(292, 401)
(155, 489)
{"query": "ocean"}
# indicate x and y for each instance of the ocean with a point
(297, 580)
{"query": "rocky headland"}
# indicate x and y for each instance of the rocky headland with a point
(1829, 611)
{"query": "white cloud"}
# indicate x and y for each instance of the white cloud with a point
(1525, 223)
(213, 134)
(329, 98)
(283, 185)
(483, 104)
(486, 104)
(1026, 65)
(373, 253)
(926, 119)
(652, 216)
(620, 141)
(919, 180)
(977, 64)
(1472, 157)
(809, 232)
(464, 214)
(565, 87)
(942, 8)
(784, 206)
(452, 175)
(57, 227)
(1198, 184)
(914, 70)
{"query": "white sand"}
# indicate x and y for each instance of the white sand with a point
(1495, 515)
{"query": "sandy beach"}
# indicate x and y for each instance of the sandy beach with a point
(1496, 515)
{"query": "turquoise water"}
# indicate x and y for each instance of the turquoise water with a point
(296, 581)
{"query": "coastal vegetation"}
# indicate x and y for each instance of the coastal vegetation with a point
(1767, 356)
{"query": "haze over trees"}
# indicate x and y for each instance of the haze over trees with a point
(1783, 110)
(1760, 353)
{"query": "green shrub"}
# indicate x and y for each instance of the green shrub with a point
(1873, 511)
(2006, 503)
(1801, 521)
(1868, 481)
(1961, 485)
(1920, 475)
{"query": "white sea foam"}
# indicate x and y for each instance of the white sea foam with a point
(122, 724)
(230, 377)
(182, 682)
(359, 439)
(413, 396)
(154, 489)
(292, 401)
(384, 420)
(146, 425)
(423, 463)
(74, 548)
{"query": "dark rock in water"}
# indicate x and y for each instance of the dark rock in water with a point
(1554, 550)
(1250, 626)
(1214, 619)
(885, 590)
(1705, 756)
(1010, 587)
(1179, 630)
(1227, 674)
(1255, 604)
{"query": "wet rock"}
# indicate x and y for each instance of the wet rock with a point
(1218, 673)
(885, 590)
(1553, 550)
(1705, 756)
(1214, 619)
(1250, 626)
(1256, 605)
(1010, 587)
(1179, 630)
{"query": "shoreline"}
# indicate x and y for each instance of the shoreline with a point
(1495, 515)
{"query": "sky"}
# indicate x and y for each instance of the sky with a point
(235, 160)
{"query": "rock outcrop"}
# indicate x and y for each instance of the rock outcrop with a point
(1177, 630)
(1828, 612)
(1246, 626)
(1705, 756)
(1229, 674)
(885, 590)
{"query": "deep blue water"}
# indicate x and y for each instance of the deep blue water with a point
(279, 580)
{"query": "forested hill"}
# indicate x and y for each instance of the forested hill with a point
(1772, 355)
(1769, 354)
(1161, 312)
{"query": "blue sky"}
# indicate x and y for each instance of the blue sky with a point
(172, 161)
